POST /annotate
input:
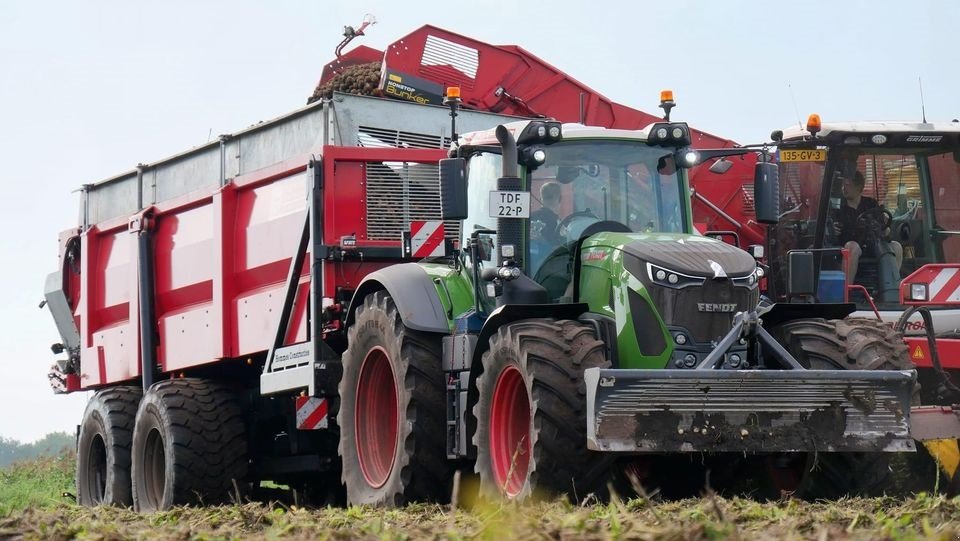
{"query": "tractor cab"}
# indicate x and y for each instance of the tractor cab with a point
(867, 203)
(579, 182)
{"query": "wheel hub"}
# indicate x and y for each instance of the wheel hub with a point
(376, 421)
(510, 432)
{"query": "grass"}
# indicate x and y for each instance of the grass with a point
(35, 483)
(31, 508)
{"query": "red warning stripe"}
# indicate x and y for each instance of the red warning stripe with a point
(316, 418)
(948, 289)
(426, 237)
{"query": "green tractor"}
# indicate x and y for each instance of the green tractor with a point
(582, 327)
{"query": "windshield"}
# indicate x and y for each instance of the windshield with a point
(583, 183)
(894, 211)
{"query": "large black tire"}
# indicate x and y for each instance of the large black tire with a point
(531, 412)
(392, 414)
(845, 344)
(103, 448)
(189, 445)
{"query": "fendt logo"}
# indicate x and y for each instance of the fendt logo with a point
(723, 307)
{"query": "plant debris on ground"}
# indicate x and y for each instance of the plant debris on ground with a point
(922, 517)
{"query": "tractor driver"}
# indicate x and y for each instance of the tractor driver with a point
(543, 221)
(849, 223)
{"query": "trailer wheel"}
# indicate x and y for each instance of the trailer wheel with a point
(189, 445)
(392, 413)
(531, 411)
(103, 447)
(844, 344)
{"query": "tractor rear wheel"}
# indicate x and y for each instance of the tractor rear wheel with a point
(392, 414)
(189, 445)
(531, 411)
(103, 447)
(843, 344)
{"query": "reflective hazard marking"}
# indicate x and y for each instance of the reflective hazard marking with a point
(917, 353)
(426, 239)
(311, 413)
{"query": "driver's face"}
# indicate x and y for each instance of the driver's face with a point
(850, 188)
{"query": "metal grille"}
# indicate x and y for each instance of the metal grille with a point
(449, 63)
(748, 205)
(401, 192)
(372, 137)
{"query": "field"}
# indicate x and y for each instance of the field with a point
(32, 506)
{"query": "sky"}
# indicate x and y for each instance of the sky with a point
(90, 89)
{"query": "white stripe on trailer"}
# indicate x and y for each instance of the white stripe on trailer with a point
(311, 413)
(426, 238)
(941, 280)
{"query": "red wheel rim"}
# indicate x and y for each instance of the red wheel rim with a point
(510, 431)
(376, 423)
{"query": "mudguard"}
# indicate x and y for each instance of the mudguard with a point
(414, 293)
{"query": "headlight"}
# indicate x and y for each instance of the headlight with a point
(661, 133)
(668, 278)
(677, 132)
(918, 292)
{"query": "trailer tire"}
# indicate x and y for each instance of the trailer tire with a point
(189, 445)
(392, 414)
(845, 344)
(531, 412)
(103, 447)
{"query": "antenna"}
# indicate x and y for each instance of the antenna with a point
(795, 110)
(923, 108)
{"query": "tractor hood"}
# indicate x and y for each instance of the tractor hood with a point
(691, 255)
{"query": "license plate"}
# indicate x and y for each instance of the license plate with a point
(816, 155)
(505, 204)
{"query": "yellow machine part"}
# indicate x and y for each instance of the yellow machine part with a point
(946, 453)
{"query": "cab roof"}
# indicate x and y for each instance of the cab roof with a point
(795, 133)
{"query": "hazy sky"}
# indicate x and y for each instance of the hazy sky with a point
(89, 89)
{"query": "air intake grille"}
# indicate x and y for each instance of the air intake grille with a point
(748, 204)
(401, 192)
(449, 63)
(371, 137)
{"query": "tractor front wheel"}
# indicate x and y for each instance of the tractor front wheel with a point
(844, 344)
(531, 411)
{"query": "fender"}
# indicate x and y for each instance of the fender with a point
(414, 293)
(784, 312)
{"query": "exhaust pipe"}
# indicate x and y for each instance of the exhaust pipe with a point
(509, 230)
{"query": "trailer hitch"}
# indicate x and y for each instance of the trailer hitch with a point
(748, 326)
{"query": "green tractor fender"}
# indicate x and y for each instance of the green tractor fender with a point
(413, 292)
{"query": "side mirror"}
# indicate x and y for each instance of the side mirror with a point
(453, 188)
(766, 192)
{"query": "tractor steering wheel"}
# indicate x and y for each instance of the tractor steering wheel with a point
(876, 221)
(570, 228)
